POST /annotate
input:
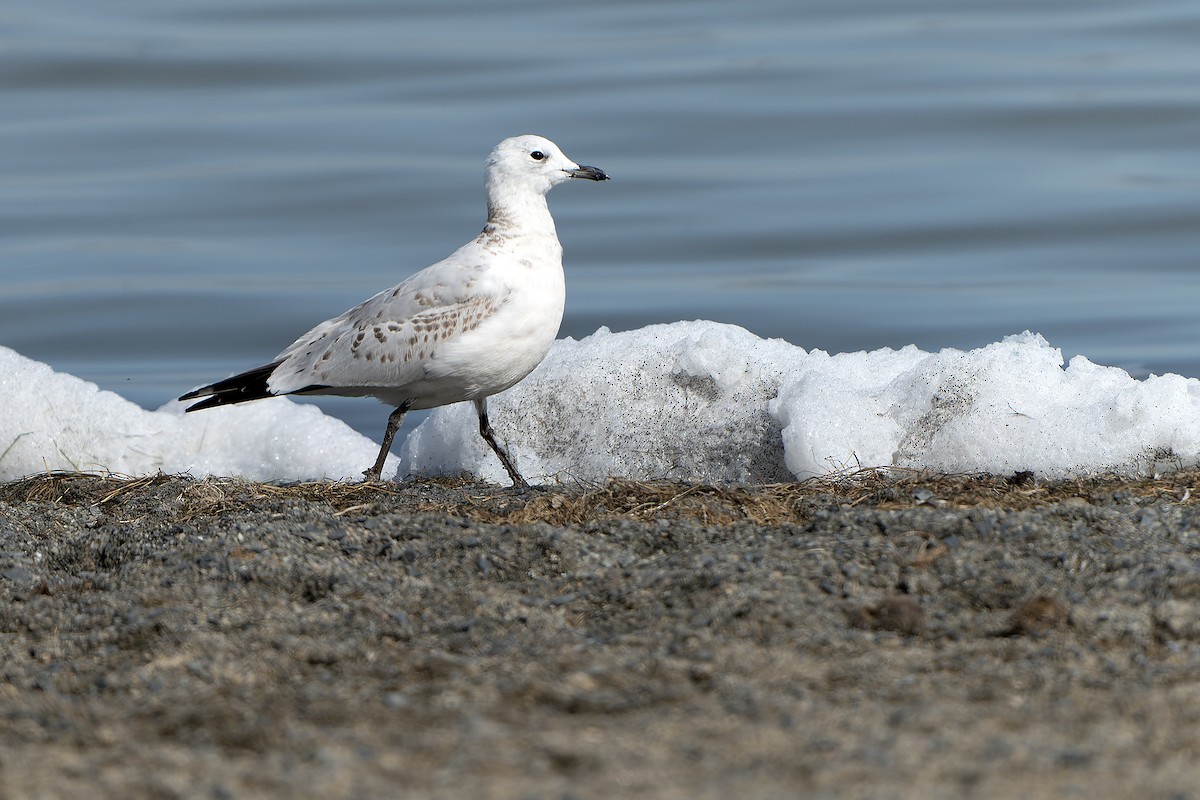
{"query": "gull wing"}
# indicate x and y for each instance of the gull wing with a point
(388, 340)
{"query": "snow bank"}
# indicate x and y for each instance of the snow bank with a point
(692, 401)
(55, 421)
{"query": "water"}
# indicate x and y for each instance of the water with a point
(186, 187)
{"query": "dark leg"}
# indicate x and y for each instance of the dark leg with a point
(485, 430)
(394, 420)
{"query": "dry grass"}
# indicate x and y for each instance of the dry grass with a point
(613, 500)
(793, 502)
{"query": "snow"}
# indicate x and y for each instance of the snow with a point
(55, 421)
(692, 401)
(685, 401)
(1003, 408)
(705, 402)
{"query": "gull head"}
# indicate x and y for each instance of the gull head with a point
(532, 164)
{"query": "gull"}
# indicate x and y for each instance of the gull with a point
(465, 328)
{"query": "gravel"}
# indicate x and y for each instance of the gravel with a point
(266, 643)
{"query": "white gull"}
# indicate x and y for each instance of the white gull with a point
(464, 328)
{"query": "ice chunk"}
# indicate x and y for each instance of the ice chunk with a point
(1002, 408)
(845, 411)
(686, 401)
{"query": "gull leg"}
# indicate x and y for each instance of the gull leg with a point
(394, 420)
(485, 430)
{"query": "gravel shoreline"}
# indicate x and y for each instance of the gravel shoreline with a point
(925, 637)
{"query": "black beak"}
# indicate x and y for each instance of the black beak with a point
(591, 173)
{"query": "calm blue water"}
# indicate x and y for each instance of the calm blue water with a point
(186, 187)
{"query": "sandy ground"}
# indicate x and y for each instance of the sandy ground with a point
(873, 638)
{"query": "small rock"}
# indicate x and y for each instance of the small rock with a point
(1023, 478)
(1040, 614)
(902, 614)
(899, 613)
(17, 575)
(1179, 618)
(396, 700)
(926, 497)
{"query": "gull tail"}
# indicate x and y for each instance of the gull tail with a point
(250, 385)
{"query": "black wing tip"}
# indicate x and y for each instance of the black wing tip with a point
(241, 388)
(208, 402)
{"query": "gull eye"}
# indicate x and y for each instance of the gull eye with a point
(537, 155)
